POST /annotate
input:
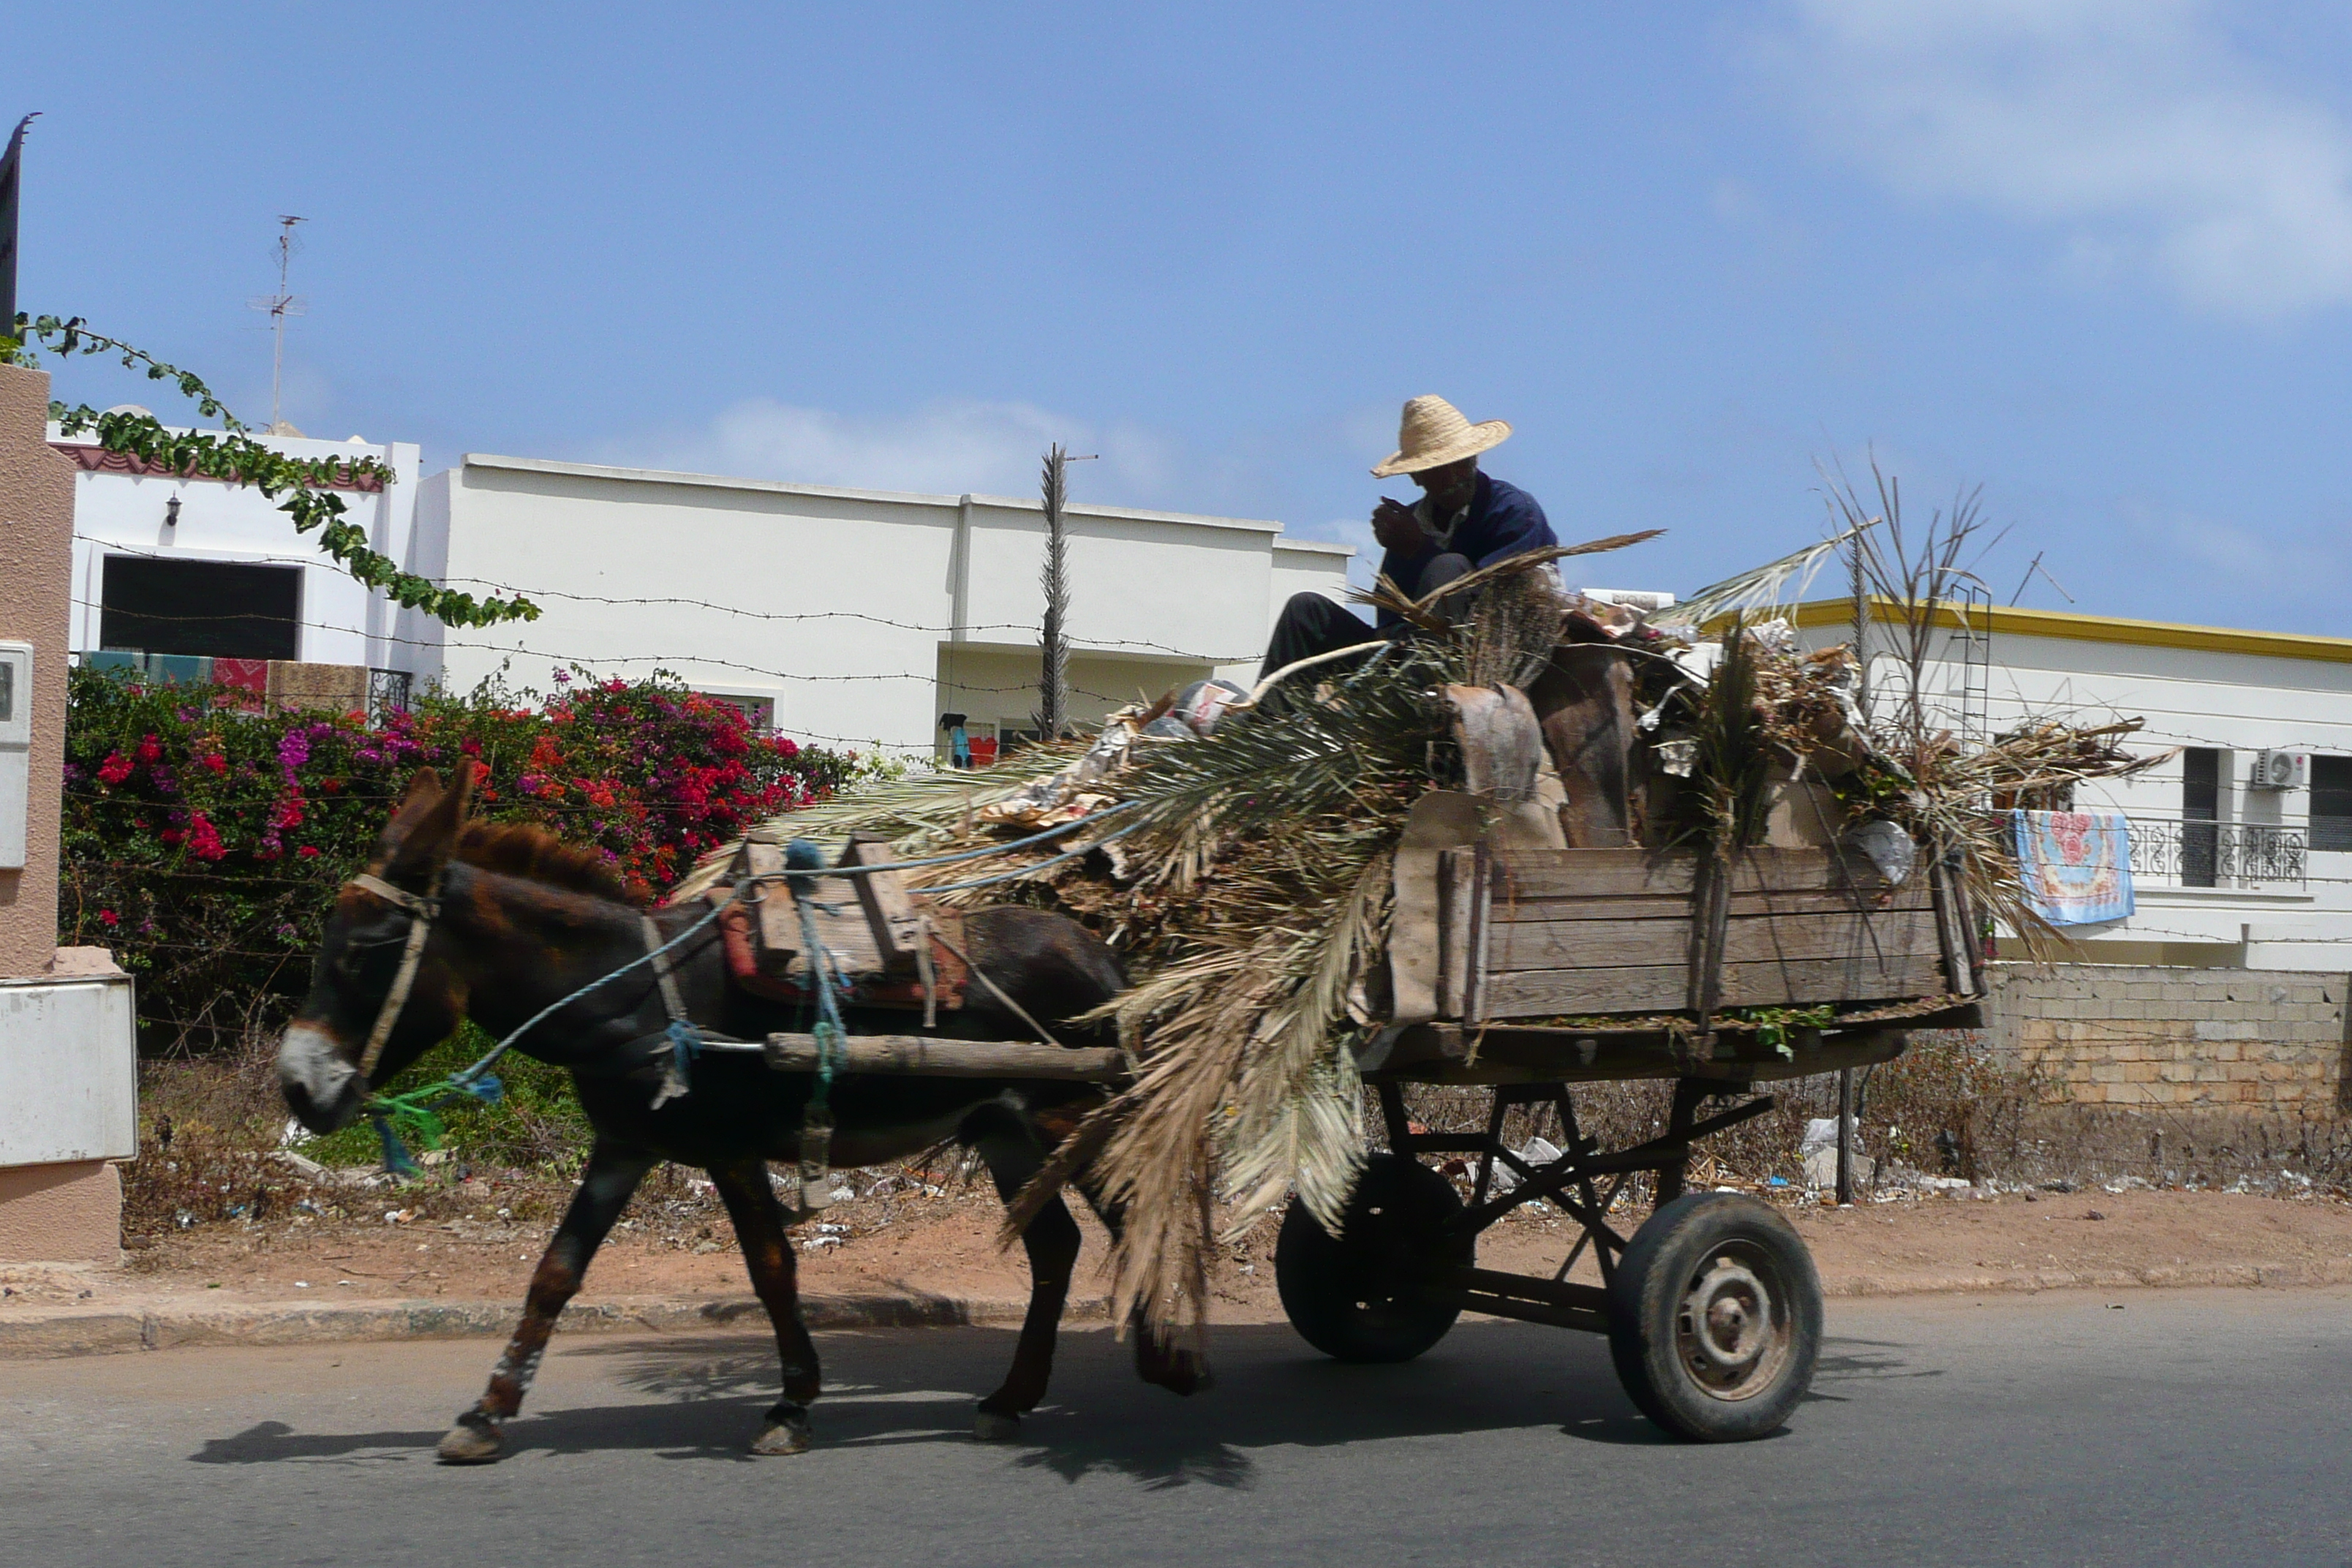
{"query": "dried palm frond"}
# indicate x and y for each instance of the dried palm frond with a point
(1759, 588)
(1734, 760)
(919, 813)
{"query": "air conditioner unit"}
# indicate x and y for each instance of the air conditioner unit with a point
(2279, 770)
(1643, 600)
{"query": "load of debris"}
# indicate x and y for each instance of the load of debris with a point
(1247, 861)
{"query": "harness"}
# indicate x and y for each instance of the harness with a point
(421, 912)
(682, 1037)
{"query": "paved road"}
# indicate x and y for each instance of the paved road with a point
(2205, 1427)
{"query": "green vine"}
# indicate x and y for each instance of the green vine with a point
(234, 456)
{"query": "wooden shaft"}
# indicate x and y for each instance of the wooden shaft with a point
(925, 1056)
(1845, 1138)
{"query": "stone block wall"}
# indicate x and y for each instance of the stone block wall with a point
(2189, 1039)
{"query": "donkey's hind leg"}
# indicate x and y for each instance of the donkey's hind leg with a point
(1052, 1241)
(612, 1175)
(768, 1255)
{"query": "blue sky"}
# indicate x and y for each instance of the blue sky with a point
(2093, 255)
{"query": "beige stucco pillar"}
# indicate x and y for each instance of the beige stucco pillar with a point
(37, 503)
(62, 1037)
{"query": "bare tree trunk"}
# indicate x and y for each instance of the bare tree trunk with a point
(1053, 577)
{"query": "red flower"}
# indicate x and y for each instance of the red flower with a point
(150, 750)
(109, 917)
(215, 762)
(204, 839)
(115, 769)
(308, 851)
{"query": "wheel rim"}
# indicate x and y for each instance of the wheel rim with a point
(1732, 1334)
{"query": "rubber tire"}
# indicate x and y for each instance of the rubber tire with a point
(1358, 1296)
(1645, 1299)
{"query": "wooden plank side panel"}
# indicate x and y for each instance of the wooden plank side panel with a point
(1658, 988)
(1914, 894)
(1615, 873)
(1587, 944)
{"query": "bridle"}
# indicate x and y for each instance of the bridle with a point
(421, 912)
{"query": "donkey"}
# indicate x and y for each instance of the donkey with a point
(512, 920)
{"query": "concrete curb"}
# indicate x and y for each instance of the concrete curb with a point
(99, 1331)
(2169, 1276)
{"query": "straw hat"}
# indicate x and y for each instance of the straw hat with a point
(1433, 433)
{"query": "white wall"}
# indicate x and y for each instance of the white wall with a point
(2238, 703)
(855, 612)
(343, 622)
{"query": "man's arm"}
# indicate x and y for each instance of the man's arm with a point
(1514, 525)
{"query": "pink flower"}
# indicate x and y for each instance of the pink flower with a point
(115, 769)
(109, 917)
(308, 851)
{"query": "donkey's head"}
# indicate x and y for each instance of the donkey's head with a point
(382, 991)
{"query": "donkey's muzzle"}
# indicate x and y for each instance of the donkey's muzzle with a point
(321, 1088)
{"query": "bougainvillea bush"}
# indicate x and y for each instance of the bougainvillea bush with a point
(204, 837)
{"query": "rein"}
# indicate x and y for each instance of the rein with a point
(415, 1109)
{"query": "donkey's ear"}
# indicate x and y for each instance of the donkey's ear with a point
(423, 833)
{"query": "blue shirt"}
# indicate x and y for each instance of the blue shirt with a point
(1503, 521)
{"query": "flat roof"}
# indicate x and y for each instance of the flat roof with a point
(833, 493)
(2073, 627)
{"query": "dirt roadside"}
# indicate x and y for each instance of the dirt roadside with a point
(940, 1249)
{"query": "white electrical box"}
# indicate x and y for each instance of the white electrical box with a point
(2279, 770)
(15, 750)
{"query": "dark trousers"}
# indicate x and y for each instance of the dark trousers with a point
(1311, 623)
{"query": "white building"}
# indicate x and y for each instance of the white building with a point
(172, 565)
(2239, 859)
(846, 617)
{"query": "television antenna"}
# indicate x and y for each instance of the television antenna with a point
(279, 306)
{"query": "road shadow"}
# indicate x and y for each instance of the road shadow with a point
(701, 1396)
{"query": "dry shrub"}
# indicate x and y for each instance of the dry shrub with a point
(1947, 1106)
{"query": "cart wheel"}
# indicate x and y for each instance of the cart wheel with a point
(1363, 1296)
(1716, 1317)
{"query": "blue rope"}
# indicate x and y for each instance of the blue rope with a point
(1028, 870)
(417, 1108)
(832, 1034)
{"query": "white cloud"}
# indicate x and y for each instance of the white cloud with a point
(2276, 568)
(2137, 128)
(949, 448)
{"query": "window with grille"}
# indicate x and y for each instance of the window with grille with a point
(2331, 803)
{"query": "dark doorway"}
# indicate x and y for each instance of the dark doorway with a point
(2200, 811)
(220, 610)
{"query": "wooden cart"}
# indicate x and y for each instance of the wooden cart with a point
(1557, 967)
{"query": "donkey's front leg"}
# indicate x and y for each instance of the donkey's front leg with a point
(612, 1175)
(768, 1255)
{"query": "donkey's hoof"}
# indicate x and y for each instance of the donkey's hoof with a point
(474, 1440)
(995, 1426)
(786, 1431)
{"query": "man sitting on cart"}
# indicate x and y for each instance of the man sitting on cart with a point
(1465, 520)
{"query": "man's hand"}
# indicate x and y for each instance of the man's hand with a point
(1396, 527)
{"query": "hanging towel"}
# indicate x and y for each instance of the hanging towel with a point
(2075, 865)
